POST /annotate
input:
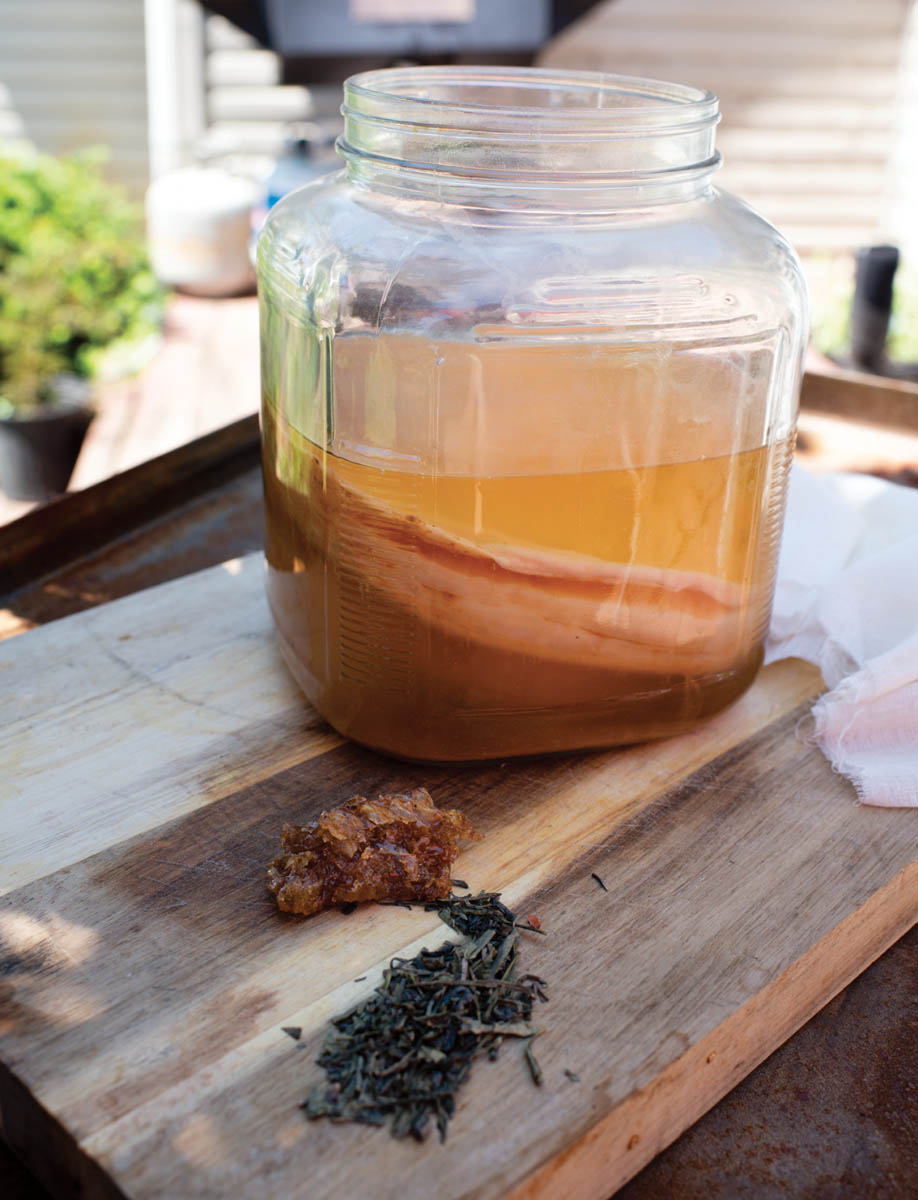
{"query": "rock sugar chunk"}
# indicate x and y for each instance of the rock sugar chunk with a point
(396, 847)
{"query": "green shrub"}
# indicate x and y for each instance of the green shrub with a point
(74, 274)
(832, 293)
(903, 328)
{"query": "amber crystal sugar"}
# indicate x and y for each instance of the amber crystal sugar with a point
(396, 847)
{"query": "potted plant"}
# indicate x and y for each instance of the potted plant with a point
(74, 285)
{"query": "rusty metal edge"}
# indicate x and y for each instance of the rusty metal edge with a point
(74, 525)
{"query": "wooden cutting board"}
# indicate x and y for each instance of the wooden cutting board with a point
(150, 751)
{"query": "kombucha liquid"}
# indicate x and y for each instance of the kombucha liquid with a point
(457, 617)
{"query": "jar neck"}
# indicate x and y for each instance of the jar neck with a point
(528, 139)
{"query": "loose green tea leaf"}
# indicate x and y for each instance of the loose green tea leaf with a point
(533, 1065)
(402, 1055)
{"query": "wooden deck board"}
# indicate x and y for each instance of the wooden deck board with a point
(204, 377)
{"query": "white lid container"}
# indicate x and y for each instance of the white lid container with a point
(198, 226)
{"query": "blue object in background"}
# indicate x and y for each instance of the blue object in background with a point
(301, 162)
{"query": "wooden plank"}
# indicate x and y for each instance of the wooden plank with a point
(209, 356)
(242, 68)
(63, 530)
(891, 403)
(222, 34)
(133, 700)
(130, 671)
(829, 443)
(202, 530)
(648, 1121)
(148, 974)
(278, 102)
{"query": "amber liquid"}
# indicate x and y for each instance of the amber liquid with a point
(449, 617)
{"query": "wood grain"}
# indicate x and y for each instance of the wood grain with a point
(197, 532)
(71, 526)
(158, 747)
(133, 713)
(890, 403)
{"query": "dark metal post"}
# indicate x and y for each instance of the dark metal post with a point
(873, 292)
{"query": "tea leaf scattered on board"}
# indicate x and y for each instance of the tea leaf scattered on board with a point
(402, 1055)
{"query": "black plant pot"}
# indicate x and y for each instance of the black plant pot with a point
(38, 449)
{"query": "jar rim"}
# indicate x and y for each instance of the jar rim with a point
(426, 129)
(610, 104)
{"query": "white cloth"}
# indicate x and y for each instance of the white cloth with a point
(847, 600)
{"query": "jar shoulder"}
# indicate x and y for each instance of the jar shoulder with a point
(395, 258)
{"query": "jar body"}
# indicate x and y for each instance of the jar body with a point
(524, 467)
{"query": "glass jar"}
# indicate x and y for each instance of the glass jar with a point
(530, 388)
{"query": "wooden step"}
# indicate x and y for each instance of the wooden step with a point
(249, 137)
(245, 67)
(281, 103)
(220, 34)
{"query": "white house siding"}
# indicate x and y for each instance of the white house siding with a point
(817, 96)
(808, 92)
(904, 163)
(72, 74)
(819, 112)
(249, 109)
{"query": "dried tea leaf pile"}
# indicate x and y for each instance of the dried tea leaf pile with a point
(402, 1055)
